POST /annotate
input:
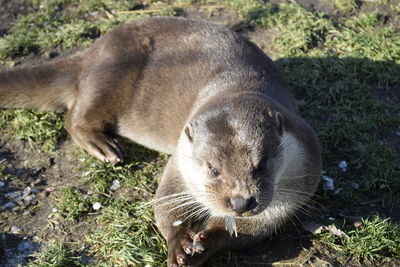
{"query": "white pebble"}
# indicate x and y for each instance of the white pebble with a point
(16, 230)
(28, 199)
(26, 191)
(96, 206)
(177, 223)
(328, 183)
(2, 184)
(343, 165)
(115, 185)
(86, 173)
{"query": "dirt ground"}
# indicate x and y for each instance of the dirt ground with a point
(34, 179)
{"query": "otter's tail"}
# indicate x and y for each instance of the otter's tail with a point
(50, 86)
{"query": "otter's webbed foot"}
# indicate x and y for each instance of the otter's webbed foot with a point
(180, 248)
(191, 249)
(106, 148)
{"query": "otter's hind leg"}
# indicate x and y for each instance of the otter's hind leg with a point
(93, 119)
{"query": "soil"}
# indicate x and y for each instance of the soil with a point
(46, 173)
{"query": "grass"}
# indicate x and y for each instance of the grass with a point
(72, 204)
(340, 66)
(46, 129)
(375, 239)
(54, 255)
(127, 235)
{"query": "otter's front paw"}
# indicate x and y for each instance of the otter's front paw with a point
(204, 240)
(185, 248)
(180, 248)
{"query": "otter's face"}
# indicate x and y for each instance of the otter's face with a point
(230, 161)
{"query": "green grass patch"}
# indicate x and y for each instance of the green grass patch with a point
(375, 239)
(61, 24)
(72, 205)
(54, 255)
(338, 69)
(142, 170)
(41, 130)
(127, 235)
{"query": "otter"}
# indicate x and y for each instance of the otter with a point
(243, 160)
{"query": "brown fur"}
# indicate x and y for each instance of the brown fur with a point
(160, 80)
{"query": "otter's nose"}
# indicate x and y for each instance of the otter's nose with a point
(241, 205)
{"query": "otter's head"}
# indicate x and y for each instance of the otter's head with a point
(229, 155)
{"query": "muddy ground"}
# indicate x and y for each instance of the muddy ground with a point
(35, 179)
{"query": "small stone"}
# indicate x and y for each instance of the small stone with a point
(355, 186)
(343, 165)
(337, 191)
(54, 210)
(2, 184)
(96, 206)
(35, 190)
(115, 185)
(331, 218)
(9, 205)
(14, 195)
(26, 245)
(328, 183)
(26, 213)
(84, 174)
(29, 198)
(36, 171)
(16, 230)
(26, 191)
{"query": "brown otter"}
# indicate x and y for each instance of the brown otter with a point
(242, 158)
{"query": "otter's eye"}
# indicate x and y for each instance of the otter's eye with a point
(213, 172)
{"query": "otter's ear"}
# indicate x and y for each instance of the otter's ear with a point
(189, 131)
(279, 122)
